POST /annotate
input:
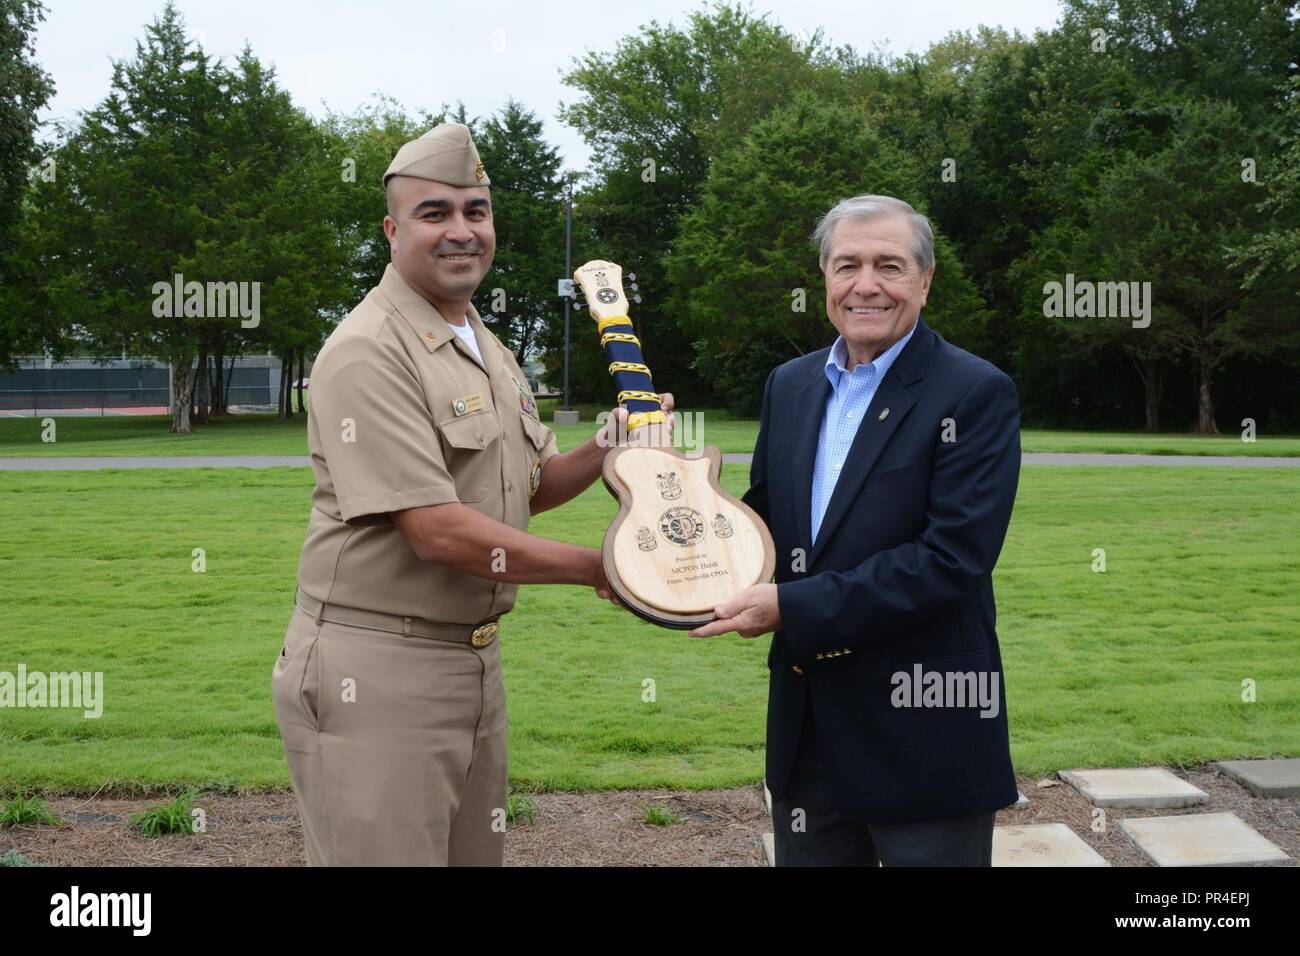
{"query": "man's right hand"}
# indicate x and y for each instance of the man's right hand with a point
(604, 590)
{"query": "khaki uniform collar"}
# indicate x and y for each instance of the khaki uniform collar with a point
(428, 324)
(425, 321)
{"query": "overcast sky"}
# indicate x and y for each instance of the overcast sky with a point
(423, 54)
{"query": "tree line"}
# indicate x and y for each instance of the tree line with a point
(1142, 152)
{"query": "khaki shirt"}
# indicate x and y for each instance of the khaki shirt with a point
(402, 415)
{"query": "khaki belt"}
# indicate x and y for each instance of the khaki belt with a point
(480, 635)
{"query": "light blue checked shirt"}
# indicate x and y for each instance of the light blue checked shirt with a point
(851, 394)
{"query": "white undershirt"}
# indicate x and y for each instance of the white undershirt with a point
(465, 332)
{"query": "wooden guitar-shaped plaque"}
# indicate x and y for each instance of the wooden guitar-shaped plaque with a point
(680, 544)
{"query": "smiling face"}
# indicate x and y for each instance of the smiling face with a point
(442, 239)
(874, 288)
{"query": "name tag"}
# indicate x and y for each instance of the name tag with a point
(467, 404)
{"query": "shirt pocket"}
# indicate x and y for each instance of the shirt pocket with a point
(473, 453)
(537, 432)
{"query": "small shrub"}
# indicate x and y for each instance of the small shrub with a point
(175, 817)
(519, 808)
(21, 811)
(14, 858)
(661, 817)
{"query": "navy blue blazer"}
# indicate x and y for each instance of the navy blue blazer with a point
(900, 575)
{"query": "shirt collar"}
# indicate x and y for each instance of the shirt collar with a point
(839, 354)
(426, 321)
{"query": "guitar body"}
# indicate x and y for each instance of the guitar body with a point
(681, 544)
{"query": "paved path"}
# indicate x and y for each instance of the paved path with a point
(1113, 461)
(291, 461)
(172, 461)
(1120, 461)
(1163, 461)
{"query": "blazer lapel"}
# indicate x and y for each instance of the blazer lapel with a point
(872, 436)
(810, 406)
(873, 432)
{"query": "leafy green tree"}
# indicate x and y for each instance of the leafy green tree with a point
(655, 112)
(528, 216)
(1107, 88)
(1233, 50)
(26, 320)
(143, 172)
(748, 288)
(274, 226)
(1276, 250)
(960, 112)
(42, 300)
(1170, 219)
(24, 90)
(360, 146)
(190, 168)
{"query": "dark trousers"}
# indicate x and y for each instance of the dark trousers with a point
(810, 831)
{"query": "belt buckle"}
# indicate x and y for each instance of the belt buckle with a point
(484, 634)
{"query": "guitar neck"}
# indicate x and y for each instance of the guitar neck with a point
(630, 373)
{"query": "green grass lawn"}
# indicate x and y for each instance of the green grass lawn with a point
(1137, 443)
(1140, 665)
(137, 435)
(267, 435)
(147, 435)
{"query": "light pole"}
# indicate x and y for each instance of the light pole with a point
(567, 415)
(568, 272)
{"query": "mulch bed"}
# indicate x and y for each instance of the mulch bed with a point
(719, 828)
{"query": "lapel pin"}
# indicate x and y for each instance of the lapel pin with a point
(884, 413)
(433, 339)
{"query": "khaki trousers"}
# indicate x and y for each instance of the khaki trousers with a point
(396, 745)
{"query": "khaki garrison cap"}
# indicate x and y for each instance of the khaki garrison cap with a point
(445, 154)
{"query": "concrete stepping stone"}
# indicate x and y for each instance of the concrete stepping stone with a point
(1139, 787)
(1042, 844)
(1021, 801)
(1201, 839)
(1265, 778)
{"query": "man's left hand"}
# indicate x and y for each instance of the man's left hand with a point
(750, 613)
(614, 431)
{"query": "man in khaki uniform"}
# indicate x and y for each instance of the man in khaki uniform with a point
(429, 457)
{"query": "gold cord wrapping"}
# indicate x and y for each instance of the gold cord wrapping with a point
(619, 337)
(645, 418)
(603, 324)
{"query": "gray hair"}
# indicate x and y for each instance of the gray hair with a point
(876, 207)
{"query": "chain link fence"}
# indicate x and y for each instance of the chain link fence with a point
(124, 386)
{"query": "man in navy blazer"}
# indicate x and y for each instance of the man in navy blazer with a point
(886, 468)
